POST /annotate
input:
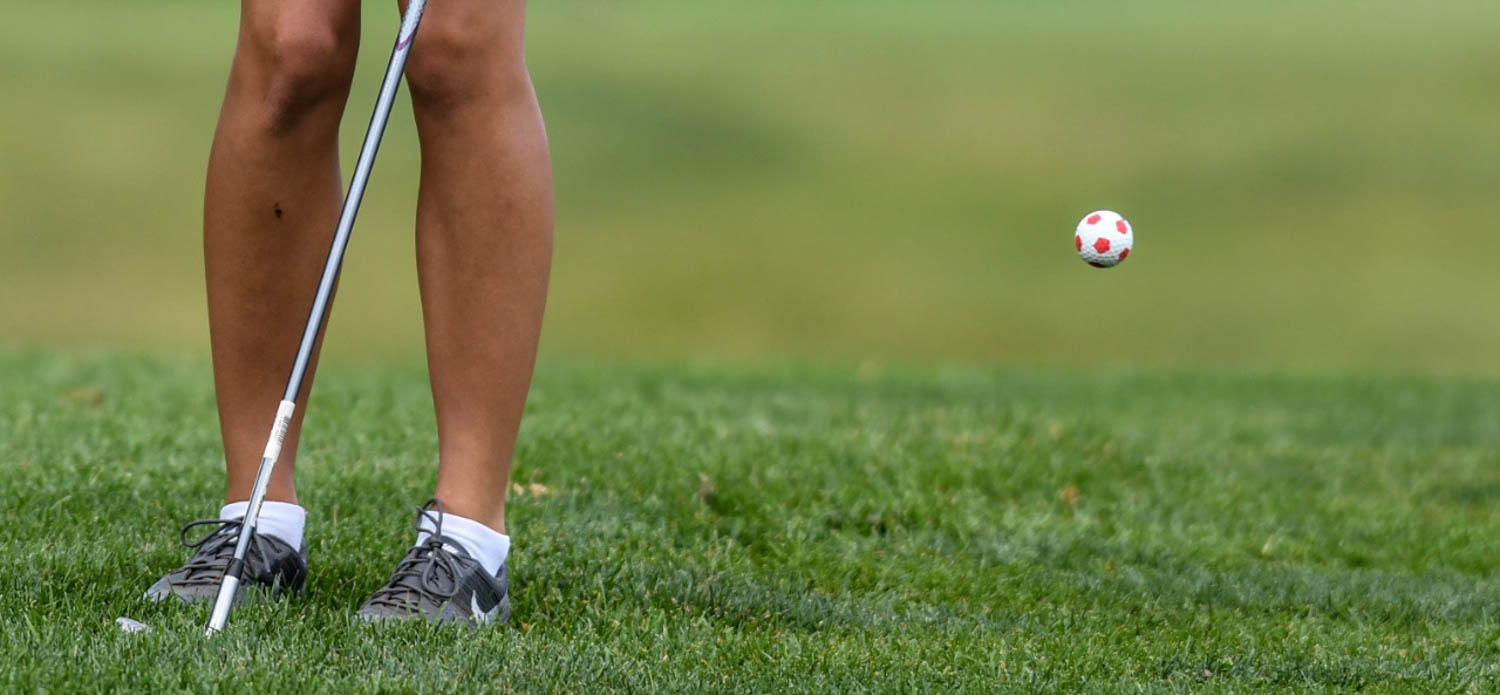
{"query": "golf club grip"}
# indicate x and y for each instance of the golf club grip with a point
(233, 574)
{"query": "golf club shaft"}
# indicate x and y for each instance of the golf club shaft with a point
(234, 574)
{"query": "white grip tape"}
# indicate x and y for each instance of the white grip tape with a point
(278, 430)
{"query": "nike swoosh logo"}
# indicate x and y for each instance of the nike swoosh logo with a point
(481, 614)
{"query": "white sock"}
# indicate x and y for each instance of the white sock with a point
(488, 546)
(283, 520)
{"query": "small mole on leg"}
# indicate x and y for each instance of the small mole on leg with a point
(278, 211)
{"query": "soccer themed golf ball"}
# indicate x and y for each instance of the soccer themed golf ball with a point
(1104, 239)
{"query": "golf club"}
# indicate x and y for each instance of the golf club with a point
(234, 574)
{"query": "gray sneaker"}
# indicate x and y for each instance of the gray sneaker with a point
(439, 582)
(270, 562)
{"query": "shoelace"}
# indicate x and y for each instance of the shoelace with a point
(215, 549)
(429, 571)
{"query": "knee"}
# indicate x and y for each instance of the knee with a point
(453, 65)
(303, 67)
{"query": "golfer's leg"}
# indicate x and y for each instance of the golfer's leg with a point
(484, 239)
(269, 213)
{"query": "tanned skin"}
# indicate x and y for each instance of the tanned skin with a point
(483, 229)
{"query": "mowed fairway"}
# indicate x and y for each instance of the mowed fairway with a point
(1162, 491)
(699, 529)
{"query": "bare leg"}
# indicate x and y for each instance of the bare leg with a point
(269, 212)
(484, 240)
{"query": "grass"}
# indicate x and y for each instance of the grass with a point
(690, 529)
(874, 183)
(844, 180)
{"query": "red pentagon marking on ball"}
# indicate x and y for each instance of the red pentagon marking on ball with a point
(1093, 219)
(1102, 245)
(1124, 254)
(1078, 241)
(1122, 227)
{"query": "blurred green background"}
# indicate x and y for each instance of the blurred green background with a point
(1313, 184)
